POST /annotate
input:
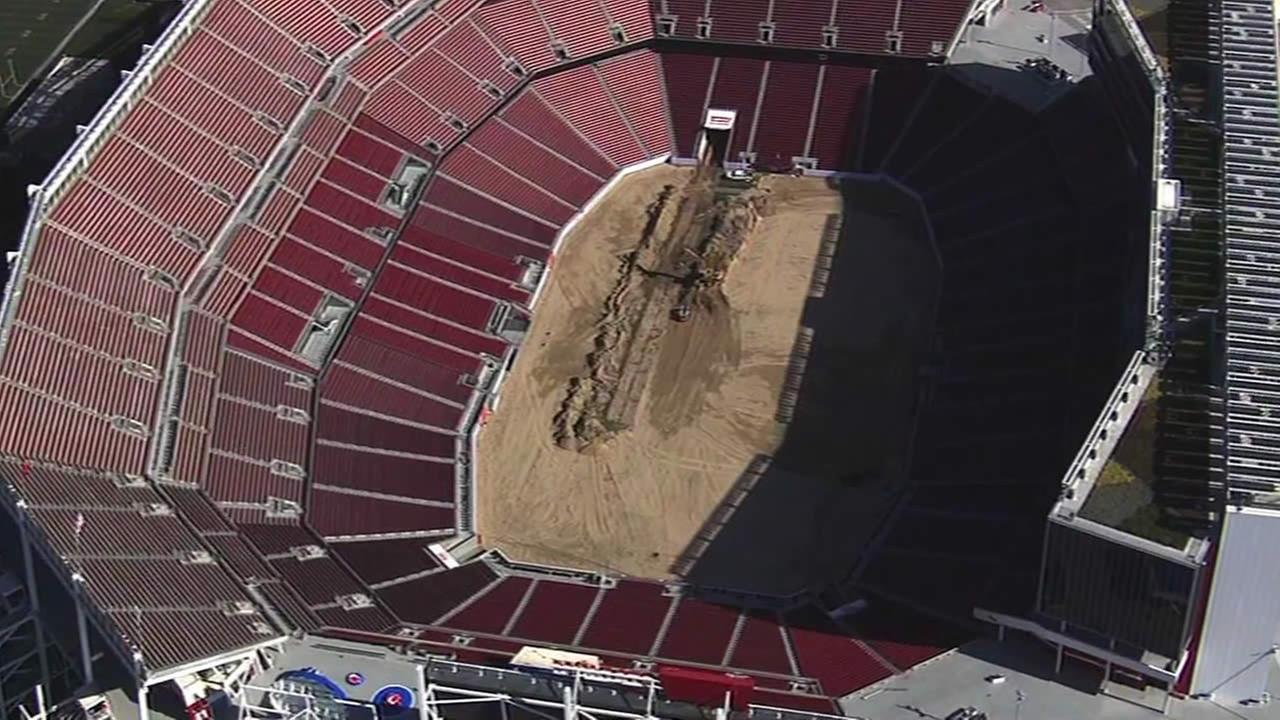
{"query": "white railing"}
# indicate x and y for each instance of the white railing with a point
(1101, 441)
(1141, 371)
(1135, 40)
(1156, 260)
(85, 146)
(577, 575)
(123, 99)
(1155, 72)
(1055, 638)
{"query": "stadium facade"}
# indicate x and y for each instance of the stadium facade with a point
(1108, 591)
(264, 302)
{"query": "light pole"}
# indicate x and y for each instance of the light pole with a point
(1019, 696)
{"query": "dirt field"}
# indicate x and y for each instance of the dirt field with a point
(631, 503)
(844, 460)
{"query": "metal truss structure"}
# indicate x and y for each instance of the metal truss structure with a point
(449, 690)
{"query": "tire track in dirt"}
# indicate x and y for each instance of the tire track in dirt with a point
(631, 502)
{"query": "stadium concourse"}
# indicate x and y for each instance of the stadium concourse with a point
(260, 305)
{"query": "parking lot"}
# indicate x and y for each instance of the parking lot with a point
(31, 32)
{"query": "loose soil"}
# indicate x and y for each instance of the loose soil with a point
(629, 496)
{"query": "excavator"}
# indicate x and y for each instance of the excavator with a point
(692, 276)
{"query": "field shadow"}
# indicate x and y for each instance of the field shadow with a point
(800, 518)
(936, 409)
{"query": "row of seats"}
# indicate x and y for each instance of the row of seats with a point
(640, 621)
(313, 582)
(326, 223)
(393, 398)
(865, 26)
(130, 231)
(772, 99)
(138, 559)
(324, 249)
(387, 411)
(126, 236)
(482, 183)
(386, 421)
(432, 90)
(1039, 272)
(337, 240)
(306, 240)
(499, 199)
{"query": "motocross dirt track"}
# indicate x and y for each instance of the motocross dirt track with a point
(631, 503)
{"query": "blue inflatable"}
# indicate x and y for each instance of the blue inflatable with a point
(393, 698)
(314, 678)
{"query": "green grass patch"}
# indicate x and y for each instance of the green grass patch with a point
(1122, 496)
(1114, 474)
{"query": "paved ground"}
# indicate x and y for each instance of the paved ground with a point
(31, 31)
(1029, 691)
(991, 55)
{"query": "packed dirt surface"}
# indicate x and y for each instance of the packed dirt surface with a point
(630, 496)
(690, 240)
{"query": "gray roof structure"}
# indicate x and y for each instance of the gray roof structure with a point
(1237, 659)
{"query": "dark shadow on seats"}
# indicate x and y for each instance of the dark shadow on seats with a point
(865, 330)
(1043, 243)
(927, 447)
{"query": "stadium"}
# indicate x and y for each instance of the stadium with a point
(650, 358)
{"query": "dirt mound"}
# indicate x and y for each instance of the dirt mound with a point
(631, 505)
(676, 269)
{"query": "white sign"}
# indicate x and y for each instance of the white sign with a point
(719, 119)
(442, 556)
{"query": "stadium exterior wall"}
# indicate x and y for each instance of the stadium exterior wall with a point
(1073, 546)
(1132, 593)
(1106, 432)
(1147, 361)
(74, 162)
